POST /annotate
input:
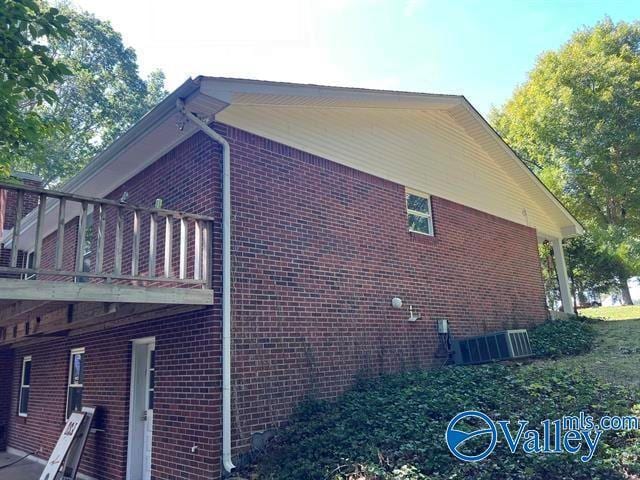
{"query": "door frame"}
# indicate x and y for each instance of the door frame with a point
(132, 397)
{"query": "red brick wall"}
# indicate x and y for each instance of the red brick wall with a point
(188, 348)
(186, 180)
(5, 261)
(6, 372)
(8, 203)
(186, 410)
(319, 252)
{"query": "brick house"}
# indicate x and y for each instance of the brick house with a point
(237, 250)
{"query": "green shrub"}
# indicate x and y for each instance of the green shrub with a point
(562, 337)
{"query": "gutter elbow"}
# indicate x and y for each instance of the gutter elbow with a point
(227, 463)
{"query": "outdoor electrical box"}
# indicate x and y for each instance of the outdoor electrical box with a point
(443, 325)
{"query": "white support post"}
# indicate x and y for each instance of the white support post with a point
(563, 277)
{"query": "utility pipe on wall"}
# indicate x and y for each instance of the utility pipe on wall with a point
(226, 282)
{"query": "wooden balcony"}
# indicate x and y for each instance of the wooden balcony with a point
(74, 259)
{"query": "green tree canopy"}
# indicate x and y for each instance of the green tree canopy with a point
(103, 97)
(28, 74)
(576, 122)
(593, 268)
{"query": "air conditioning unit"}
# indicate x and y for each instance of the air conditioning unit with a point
(492, 347)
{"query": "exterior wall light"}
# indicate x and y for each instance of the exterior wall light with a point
(396, 303)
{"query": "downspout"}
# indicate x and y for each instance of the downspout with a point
(226, 282)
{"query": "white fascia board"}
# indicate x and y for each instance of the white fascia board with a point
(258, 92)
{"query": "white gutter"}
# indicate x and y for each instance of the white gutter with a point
(226, 283)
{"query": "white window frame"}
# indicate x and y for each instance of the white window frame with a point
(151, 371)
(428, 216)
(28, 276)
(25, 360)
(74, 351)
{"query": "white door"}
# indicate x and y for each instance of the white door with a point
(148, 415)
(141, 409)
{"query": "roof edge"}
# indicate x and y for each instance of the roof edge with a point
(145, 124)
(579, 228)
(25, 176)
(191, 86)
(328, 88)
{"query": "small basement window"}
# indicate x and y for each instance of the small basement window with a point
(76, 379)
(25, 385)
(419, 213)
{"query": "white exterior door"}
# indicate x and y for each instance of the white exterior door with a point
(148, 415)
(143, 367)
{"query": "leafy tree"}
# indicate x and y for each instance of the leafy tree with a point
(592, 268)
(576, 122)
(28, 74)
(104, 96)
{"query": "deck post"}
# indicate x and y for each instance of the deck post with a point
(37, 256)
(135, 249)
(82, 235)
(184, 231)
(168, 246)
(117, 267)
(153, 239)
(60, 234)
(16, 229)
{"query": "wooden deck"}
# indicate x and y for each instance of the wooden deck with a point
(118, 263)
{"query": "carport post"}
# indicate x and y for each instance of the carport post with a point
(563, 277)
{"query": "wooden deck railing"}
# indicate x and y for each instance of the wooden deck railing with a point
(116, 226)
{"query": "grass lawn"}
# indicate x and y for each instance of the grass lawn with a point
(615, 357)
(393, 427)
(631, 312)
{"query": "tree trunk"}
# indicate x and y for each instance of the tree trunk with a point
(582, 297)
(573, 291)
(626, 294)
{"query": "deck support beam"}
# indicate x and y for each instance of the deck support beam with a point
(39, 290)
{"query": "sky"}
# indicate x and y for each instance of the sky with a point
(480, 49)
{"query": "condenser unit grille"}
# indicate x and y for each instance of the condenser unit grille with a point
(519, 343)
(492, 347)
